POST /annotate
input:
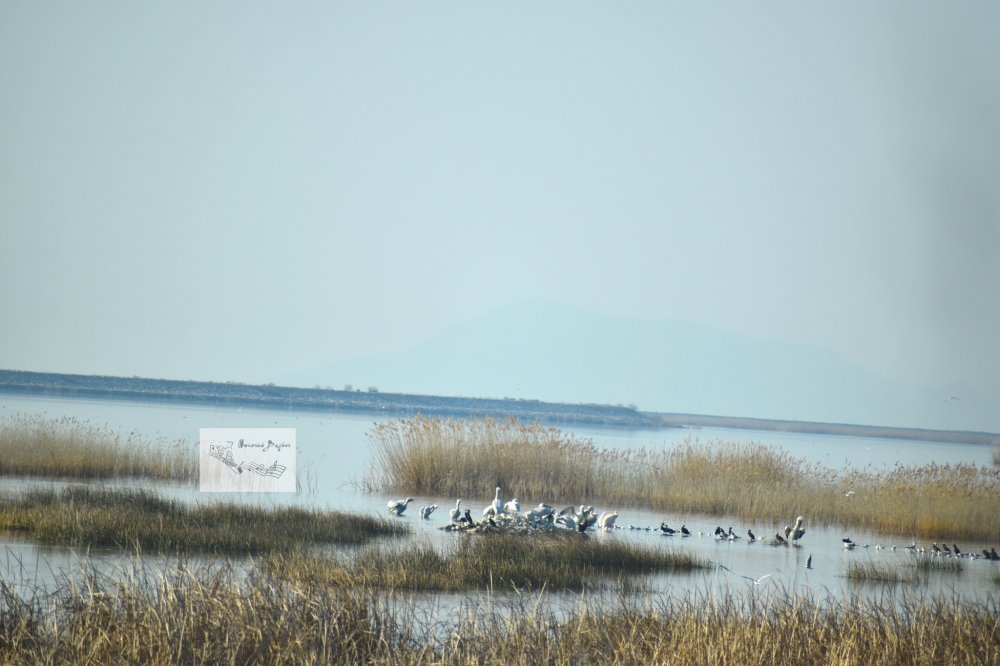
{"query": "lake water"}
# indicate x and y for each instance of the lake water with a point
(332, 455)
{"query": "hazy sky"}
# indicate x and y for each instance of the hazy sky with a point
(231, 190)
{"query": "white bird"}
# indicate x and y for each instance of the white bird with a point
(607, 520)
(456, 513)
(798, 531)
(513, 506)
(754, 581)
(541, 511)
(759, 580)
(567, 520)
(497, 503)
(426, 511)
(398, 507)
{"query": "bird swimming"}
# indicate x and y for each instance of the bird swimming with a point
(398, 507)
(751, 535)
(685, 531)
(426, 511)
(667, 530)
(607, 520)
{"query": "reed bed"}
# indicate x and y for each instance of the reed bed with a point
(497, 561)
(74, 449)
(919, 571)
(216, 617)
(469, 458)
(144, 521)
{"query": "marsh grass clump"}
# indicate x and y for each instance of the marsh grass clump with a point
(145, 521)
(468, 458)
(183, 615)
(497, 561)
(195, 617)
(73, 449)
(870, 572)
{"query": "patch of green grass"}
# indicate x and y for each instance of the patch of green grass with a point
(73, 449)
(144, 521)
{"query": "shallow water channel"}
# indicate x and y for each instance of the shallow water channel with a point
(332, 454)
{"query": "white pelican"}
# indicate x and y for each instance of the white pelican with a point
(798, 530)
(456, 513)
(426, 511)
(513, 506)
(543, 510)
(567, 520)
(497, 503)
(397, 508)
(607, 520)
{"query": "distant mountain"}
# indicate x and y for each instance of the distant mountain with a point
(552, 352)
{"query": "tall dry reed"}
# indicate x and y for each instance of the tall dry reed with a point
(469, 458)
(70, 448)
(183, 615)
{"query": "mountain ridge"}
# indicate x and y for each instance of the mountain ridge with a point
(549, 351)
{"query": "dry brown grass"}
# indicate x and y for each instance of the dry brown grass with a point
(556, 561)
(222, 617)
(138, 520)
(468, 458)
(69, 448)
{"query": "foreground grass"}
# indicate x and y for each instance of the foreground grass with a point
(499, 561)
(217, 617)
(468, 459)
(69, 448)
(144, 521)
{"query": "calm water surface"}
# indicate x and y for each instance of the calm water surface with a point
(333, 453)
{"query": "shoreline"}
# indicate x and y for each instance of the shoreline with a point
(139, 389)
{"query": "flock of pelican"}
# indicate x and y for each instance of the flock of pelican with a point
(499, 513)
(508, 513)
